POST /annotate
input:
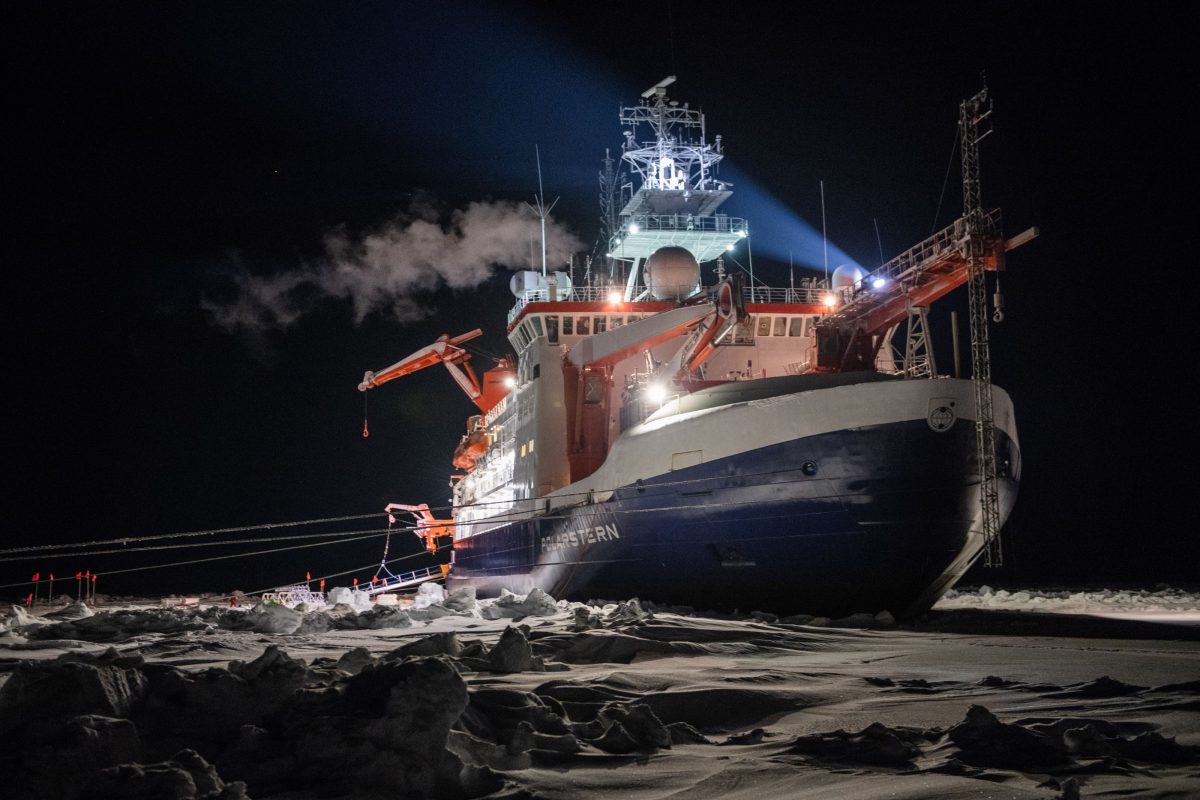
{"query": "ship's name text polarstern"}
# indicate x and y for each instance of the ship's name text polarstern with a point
(560, 541)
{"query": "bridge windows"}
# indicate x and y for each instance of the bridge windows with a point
(552, 329)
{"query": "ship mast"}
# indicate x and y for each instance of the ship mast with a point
(666, 146)
(971, 114)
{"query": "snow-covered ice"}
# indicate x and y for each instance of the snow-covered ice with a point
(1163, 604)
(451, 696)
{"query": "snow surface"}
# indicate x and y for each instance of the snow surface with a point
(454, 697)
(1164, 604)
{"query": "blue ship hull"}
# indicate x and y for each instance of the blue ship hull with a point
(882, 522)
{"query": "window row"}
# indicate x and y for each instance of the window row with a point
(568, 325)
(552, 326)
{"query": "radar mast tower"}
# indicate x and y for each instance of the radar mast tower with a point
(972, 114)
(666, 145)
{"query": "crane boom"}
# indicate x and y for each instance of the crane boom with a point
(445, 350)
(849, 337)
(729, 311)
(427, 528)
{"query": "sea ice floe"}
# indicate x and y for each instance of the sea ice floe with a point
(1159, 600)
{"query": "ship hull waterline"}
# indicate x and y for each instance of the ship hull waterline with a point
(863, 519)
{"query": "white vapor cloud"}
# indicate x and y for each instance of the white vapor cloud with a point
(383, 270)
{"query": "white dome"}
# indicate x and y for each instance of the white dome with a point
(846, 277)
(672, 273)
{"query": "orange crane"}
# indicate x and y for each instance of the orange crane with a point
(428, 529)
(447, 350)
(850, 337)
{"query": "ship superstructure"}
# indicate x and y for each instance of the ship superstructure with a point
(720, 442)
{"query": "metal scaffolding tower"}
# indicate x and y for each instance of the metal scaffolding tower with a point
(918, 349)
(972, 114)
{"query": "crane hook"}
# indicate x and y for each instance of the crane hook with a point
(366, 432)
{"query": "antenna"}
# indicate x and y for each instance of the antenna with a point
(663, 84)
(750, 258)
(671, 32)
(824, 235)
(542, 209)
(878, 241)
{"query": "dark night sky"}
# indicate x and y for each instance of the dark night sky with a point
(156, 148)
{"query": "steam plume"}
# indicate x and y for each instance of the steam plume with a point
(383, 270)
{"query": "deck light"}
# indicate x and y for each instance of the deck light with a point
(830, 301)
(634, 227)
(509, 381)
(656, 393)
(614, 297)
(879, 282)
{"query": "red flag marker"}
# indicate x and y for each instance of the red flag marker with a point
(37, 576)
(356, 581)
(322, 584)
(308, 576)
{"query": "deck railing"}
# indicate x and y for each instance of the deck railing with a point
(716, 223)
(937, 246)
(810, 295)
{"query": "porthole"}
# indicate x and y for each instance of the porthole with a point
(809, 468)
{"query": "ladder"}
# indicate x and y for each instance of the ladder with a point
(405, 580)
(971, 114)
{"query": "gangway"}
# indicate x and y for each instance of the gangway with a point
(429, 530)
(405, 580)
